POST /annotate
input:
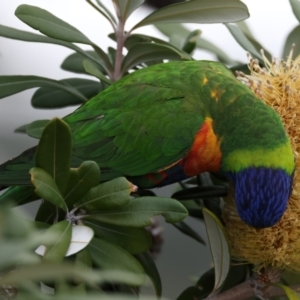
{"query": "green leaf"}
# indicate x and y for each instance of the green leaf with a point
(190, 42)
(127, 7)
(56, 250)
(46, 188)
(291, 294)
(243, 41)
(10, 85)
(110, 257)
(134, 39)
(292, 39)
(74, 62)
(133, 240)
(107, 11)
(53, 153)
(245, 29)
(92, 69)
(56, 98)
(186, 229)
(19, 195)
(35, 129)
(103, 56)
(110, 194)
(22, 35)
(49, 24)
(198, 11)
(46, 271)
(84, 258)
(80, 181)
(296, 8)
(144, 52)
(139, 211)
(201, 43)
(218, 246)
(150, 268)
(46, 213)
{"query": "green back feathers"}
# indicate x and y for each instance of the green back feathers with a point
(149, 119)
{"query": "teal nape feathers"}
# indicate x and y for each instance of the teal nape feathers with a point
(171, 121)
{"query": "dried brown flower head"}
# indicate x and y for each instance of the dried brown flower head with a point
(278, 85)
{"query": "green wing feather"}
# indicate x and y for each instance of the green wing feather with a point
(143, 123)
(139, 125)
(148, 120)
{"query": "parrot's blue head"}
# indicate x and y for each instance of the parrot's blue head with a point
(261, 195)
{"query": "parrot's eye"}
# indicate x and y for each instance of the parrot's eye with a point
(261, 195)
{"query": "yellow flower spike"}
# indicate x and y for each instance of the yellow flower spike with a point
(278, 85)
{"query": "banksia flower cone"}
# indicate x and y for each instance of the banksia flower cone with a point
(278, 85)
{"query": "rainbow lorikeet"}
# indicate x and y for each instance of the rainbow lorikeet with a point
(171, 121)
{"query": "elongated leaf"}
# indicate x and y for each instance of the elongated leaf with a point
(296, 8)
(80, 238)
(144, 52)
(198, 11)
(201, 43)
(49, 24)
(54, 152)
(134, 39)
(57, 250)
(139, 211)
(246, 30)
(49, 271)
(110, 257)
(218, 246)
(107, 11)
(92, 69)
(22, 35)
(46, 213)
(35, 129)
(150, 268)
(84, 258)
(80, 181)
(186, 229)
(243, 41)
(55, 98)
(74, 62)
(10, 85)
(46, 188)
(291, 294)
(19, 195)
(292, 38)
(133, 240)
(104, 12)
(110, 194)
(127, 7)
(103, 56)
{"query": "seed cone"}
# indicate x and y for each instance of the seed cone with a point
(278, 85)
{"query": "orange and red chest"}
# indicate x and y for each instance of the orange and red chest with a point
(205, 154)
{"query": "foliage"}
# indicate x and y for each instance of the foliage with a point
(83, 226)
